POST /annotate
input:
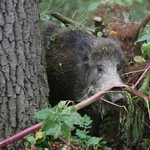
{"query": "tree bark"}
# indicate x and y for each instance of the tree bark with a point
(23, 81)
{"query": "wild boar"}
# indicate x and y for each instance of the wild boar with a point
(79, 65)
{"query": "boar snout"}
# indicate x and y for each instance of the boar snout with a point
(117, 96)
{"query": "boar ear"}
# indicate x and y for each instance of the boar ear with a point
(84, 49)
(117, 41)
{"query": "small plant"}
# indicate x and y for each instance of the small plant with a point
(60, 121)
(86, 140)
(99, 33)
(146, 144)
(52, 38)
(39, 140)
(145, 38)
(133, 126)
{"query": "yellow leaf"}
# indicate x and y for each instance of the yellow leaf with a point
(139, 59)
(113, 32)
(38, 135)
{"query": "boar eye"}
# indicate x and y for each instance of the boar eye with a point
(99, 68)
(119, 67)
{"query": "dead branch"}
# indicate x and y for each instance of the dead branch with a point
(136, 49)
(67, 21)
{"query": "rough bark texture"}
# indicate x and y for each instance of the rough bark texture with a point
(23, 82)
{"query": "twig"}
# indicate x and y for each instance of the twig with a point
(75, 148)
(74, 14)
(141, 77)
(134, 71)
(114, 104)
(45, 12)
(81, 16)
(62, 139)
(119, 20)
(66, 20)
(83, 20)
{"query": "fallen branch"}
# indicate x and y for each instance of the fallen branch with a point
(79, 106)
(67, 21)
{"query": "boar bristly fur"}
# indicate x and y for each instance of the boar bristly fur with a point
(79, 65)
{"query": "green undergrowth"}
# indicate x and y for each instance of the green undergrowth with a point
(127, 126)
(60, 121)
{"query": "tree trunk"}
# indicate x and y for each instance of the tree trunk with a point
(23, 81)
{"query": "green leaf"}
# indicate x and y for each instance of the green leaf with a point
(80, 28)
(82, 134)
(144, 33)
(71, 109)
(144, 38)
(53, 37)
(137, 127)
(94, 141)
(43, 114)
(148, 52)
(62, 104)
(146, 144)
(77, 118)
(148, 31)
(103, 23)
(99, 34)
(87, 120)
(26, 143)
(46, 125)
(54, 130)
(27, 136)
(145, 85)
(31, 139)
(66, 132)
(68, 121)
(88, 32)
(71, 119)
(146, 46)
(39, 148)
